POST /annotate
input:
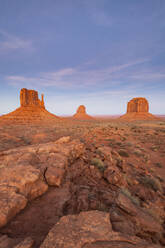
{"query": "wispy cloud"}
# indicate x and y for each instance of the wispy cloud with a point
(10, 42)
(74, 77)
(148, 76)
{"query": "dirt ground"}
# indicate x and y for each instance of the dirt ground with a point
(141, 146)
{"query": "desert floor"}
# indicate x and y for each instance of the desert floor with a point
(118, 157)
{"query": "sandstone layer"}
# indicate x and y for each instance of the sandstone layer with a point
(81, 114)
(26, 173)
(138, 109)
(31, 109)
(91, 229)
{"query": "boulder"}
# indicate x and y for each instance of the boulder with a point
(89, 229)
(6, 242)
(27, 171)
(128, 217)
(26, 243)
(11, 203)
(26, 179)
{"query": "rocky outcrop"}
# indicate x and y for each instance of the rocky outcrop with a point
(128, 218)
(91, 229)
(26, 173)
(31, 109)
(30, 98)
(26, 179)
(138, 104)
(81, 114)
(11, 203)
(6, 242)
(26, 243)
(138, 109)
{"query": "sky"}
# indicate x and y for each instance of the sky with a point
(99, 53)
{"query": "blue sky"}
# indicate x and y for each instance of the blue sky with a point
(100, 53)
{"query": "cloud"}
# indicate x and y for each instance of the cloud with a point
(75, 78)
(10, 42)
(148, 76)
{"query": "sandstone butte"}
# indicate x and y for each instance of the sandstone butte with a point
(81, 114)
(138, 109)
(31, 109)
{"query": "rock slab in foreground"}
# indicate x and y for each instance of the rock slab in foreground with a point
(24, 171)
(11, 203)
(89, 229)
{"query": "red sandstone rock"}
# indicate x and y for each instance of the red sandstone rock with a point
(138, 109)
(11, 203)
(30, 98)
(23, 170)
(81, 114)
(31, 109)
(130, 218)
(138, 104)
(114, 176)
(26, 243)
(26, 179)
(89, 229)
(81, 109)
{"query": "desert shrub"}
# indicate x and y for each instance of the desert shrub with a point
(153, 183)
(128, 179)
(127, 193)
(154, 148)
(159, 165)
(129, 144)
(98, 163)
(123, 138)
(123, 153)
(2, 166)
(138, 153)
(162, 123)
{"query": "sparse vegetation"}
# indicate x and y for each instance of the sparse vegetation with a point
(138, 153)
(159, 165)
(127, 193)
(123, 153)
(153, 183)
(98, 163)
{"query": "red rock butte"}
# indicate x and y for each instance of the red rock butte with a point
(138, 109)
(81, 114)
(31, 109)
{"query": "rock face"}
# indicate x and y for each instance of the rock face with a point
(81, 114)
(11, 203)
(138, 104)
(138, 109)
(81, 109)
(30, 98)
(91, 229)
(26, 173)
(32, 109)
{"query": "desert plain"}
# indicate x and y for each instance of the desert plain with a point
(69, 182)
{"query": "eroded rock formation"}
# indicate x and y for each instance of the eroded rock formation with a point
(22, 179)
(31, 109)
(138, 109)
(30, 98)
(137, 105)
(81, 109)
(81, 114)
(91, 229)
